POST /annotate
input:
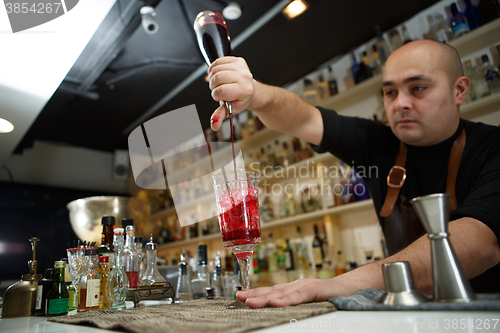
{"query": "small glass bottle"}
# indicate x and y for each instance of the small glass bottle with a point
(58, 295)
(459, 24)
(183, 291)
(478, 85)
(117, 285)
(442, 32)
(310, 94)
(217, 279)
(202, 281)
(490, 74)
(151, 273)
(323, 92)
(333, 88)
(130, 257)
(104, 271)
(106, 248)
(140, 255)
(43, 288)
(382, 48)
(71, 288)
(89, 286)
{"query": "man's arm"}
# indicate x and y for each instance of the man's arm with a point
(279, 109)
(475, 245)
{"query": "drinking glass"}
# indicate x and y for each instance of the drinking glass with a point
(236, 195)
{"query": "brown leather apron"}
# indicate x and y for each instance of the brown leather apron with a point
(401, 224)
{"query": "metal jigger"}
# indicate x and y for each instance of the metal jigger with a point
(450, 283)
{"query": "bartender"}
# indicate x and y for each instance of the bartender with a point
(427, 149)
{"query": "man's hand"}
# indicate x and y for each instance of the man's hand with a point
(230, 80)
(299, 291)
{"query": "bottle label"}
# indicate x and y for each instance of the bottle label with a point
(288, 260)
(38, 304)
(57, 306)
(318, 258)
(93, 287)
(460, 29)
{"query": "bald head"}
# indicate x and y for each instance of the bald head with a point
(445, 56)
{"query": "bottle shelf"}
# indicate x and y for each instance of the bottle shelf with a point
(339, 210)
(478, 39)
(480, 107)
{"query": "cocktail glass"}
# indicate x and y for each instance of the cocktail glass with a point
(236, 194)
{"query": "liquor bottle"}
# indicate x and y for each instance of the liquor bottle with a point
(478, 86)
(58, 295)
(262, 258)
(442, 31)
(310, 95)
(104, 273)
(326, 249)
(117, 285)
(263, 161)
(382, 48)
(250, 125)
(245, 133)
(395, 40)
(106, 248)
(327, 189)
(151, 273)
(130, 257)
(283, 211)
(473, 15)
(228, 262)
(217, 279)
(271, 254)
(277, 154)
(490, 74)
(359, 188)
(71, 288)
(490, 10)
(375, 60)
(430, 33)
(280, 250)
(332, 82)
(183, 291)
(459, 24)
(296, 150)
(341, 265)
(271, 158)
(406, 35)
(89, 286)
(291, 207)
(266, 209)
(367, 60)
(43, 288)
(202, 281)
(140, 255)
(359, 71)
(301, 251)
(289, 257)
(323, 92)
(317, 246)
(286, 157)
(259, 125)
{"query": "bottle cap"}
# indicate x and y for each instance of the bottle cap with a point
(484, 58)
(202, 253)
(127, 222)
(137, 239)
(90, 252)
(151, 244)
(108, 220)
(118, 230)
(60, 264)
(103, 259)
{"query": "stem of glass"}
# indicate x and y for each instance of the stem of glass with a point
(244, 268)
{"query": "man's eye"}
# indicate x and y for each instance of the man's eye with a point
(419, 88)
(389, 92)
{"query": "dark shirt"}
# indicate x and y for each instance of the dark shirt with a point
(371, 148)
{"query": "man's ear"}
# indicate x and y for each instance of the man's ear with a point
(460, 90)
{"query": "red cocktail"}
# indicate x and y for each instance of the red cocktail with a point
(239, 219)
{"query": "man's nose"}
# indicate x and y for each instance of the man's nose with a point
(403, 102)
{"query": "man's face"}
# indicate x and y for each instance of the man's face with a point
(418, 97)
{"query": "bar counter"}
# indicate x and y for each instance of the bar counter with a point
(338, 321)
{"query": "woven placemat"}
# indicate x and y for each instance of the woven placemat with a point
(202, 315)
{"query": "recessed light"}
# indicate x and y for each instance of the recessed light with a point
(5, 126)
(295, 8)
(232, 11)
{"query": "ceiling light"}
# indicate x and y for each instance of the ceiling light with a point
(5, 126)
(295, 8)
(232, 11)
